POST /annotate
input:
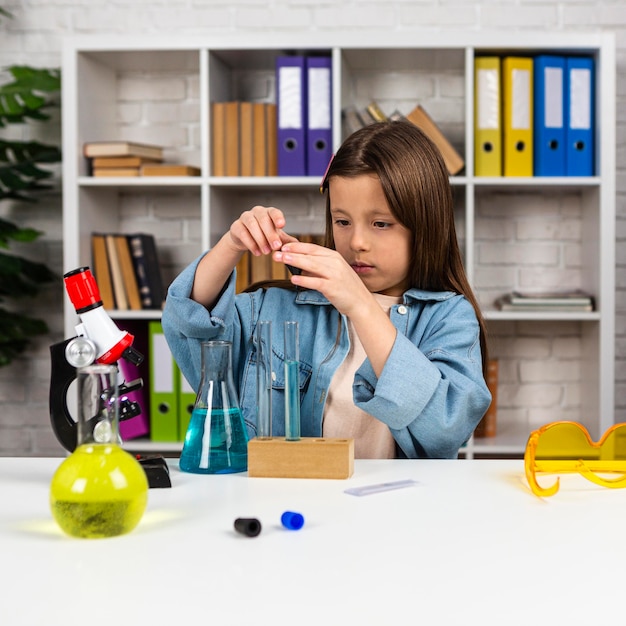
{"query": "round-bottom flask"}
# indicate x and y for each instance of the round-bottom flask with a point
(99, 490)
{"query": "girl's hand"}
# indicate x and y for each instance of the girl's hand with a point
(260, 231)
(325, 271)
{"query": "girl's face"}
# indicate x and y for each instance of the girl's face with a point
(368, 236)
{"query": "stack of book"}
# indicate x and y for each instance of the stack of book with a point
(127, 158)
(354, 119)
(127, 270)
(244, 139)
(555, 301)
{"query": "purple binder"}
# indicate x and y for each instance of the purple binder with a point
(138, 426)
(319, 114)
(291, 110)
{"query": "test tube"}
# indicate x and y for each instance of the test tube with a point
(264, 378)
(292, 382)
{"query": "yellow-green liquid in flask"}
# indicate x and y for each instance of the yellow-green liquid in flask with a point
(98, 491)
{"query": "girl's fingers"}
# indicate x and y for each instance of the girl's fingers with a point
(308, 257)
(260, 230)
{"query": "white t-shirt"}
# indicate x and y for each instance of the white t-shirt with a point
(342, 418)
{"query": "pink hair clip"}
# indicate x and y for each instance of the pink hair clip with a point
(326, 174)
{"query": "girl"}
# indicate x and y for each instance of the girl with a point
(392, 342)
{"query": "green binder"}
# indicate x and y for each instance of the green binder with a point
(164, 382)
(186, 400)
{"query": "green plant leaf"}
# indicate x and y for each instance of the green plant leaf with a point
(20, 174)
(16, 331)
(24, 98)
(20, 277)
(23, 235)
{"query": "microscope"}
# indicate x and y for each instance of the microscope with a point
(97, 340)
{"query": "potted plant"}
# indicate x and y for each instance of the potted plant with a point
(25, 97)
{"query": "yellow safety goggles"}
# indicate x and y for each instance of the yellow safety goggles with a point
(566, 448)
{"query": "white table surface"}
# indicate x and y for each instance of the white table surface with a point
(468, 544)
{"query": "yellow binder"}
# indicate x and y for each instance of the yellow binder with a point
(517, 82)
(487, 117)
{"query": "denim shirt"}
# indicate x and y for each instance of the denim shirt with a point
(431, 393)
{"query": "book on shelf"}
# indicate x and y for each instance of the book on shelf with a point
(574, 297)
(555, 301)
(127, 270)
(372, 113)
(243, 139)
(260, 133)
(375, 112)
(218, 138)
(231, 145)
(144, 253)
(124, 161)
(102, 270)
(100, 172)
(453, 160)
(122, 148)
(271, 121)
(351, 120)
(246, 138)
(117, 279)
(169, 169)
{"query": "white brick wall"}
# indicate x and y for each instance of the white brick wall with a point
(539, 366)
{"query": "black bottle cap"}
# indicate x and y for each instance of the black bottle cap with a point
(249, 526)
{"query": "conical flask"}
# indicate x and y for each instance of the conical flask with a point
(99, 490)
(216, 440)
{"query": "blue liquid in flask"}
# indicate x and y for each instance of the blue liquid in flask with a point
(215, 443)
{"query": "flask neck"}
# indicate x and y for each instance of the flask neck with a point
(97, 405)
(217, 388)
(216, 359)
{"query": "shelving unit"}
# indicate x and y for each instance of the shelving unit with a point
(160, 92)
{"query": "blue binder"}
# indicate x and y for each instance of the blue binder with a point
(550, 115)
(579, 98)
(291, 110)
(319, 114)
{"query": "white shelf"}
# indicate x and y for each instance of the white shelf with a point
(146, 446)
(107, 83)
(510, 439)
(546, 316)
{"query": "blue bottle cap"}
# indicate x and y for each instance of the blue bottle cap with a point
(291, 520)
(249, 526)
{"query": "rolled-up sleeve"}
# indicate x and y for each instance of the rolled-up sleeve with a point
(186, 323)
(431, 395)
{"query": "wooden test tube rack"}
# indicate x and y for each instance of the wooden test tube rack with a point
(308, 457)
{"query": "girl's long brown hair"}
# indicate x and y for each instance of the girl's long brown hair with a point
(415, 182)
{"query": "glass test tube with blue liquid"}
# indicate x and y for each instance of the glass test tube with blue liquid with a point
(264, 378)
(292, 382)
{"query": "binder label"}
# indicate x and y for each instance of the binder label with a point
(164, 370)
(580, 98)
(553, 97)
(521, 98)
(488, 108)
(290, 94)
(319, 98)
